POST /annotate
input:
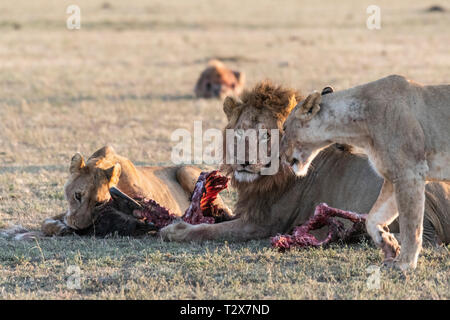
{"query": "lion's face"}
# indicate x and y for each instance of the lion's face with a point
(303, 139)
(217, 81)
(256, 126)
(87, 189)
(253, 129)
(296, 149)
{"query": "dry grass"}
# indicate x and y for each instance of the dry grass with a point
(148, 269)
(127, 78)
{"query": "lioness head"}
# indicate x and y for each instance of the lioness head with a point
(259, 110)
(217, 81)
(302, 140)
(88, 186)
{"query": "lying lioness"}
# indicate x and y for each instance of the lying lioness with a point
(89, 183)
(404, 129)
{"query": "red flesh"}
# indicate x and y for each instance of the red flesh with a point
(323, 216)
(201, 210)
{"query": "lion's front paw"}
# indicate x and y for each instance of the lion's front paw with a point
(28, 236)
(392, 269)
(390, 246)
(51, 227)
(388, 263)
(19, 233)
(397, 265)
(177, 231)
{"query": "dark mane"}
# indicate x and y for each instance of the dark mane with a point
(255, 199)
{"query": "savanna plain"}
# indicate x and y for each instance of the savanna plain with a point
(126, 78)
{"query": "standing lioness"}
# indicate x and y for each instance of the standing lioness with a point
(403, 127)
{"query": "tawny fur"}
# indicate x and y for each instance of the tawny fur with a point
(169, 186)
(276, 204)
(218, 81)
(404, 129)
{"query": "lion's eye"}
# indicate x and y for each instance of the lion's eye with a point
(77, 196)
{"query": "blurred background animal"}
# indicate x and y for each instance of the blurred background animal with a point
(218, 81)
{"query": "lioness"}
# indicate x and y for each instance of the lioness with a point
(89, 183)
(271, 204)
(403, 127)
(217, 81)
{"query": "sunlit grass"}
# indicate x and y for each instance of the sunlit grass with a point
(127, 77)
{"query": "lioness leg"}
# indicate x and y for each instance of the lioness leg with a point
(187, 177)
(410, 197)
(237, 230)
(383, 212)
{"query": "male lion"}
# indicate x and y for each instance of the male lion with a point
(89, 183)
(217, 81)
(404, 129)
(271, 204)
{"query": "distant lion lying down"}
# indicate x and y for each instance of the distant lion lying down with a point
(218, 81)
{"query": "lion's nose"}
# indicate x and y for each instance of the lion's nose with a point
(217, 90)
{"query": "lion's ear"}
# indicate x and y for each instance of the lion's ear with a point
(113, 174)
(76, 163)
(327, 90)
(216, 64)
(240, 76)
(309, 107)
(103, 152)
(230, 106)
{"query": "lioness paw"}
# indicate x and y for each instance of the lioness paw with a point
(27, 236)
(176, 231)
(18, 233)
(389, 245)
(51, 227)
(397, 265)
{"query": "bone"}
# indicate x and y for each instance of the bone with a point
(323, 216)
(202, 208)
